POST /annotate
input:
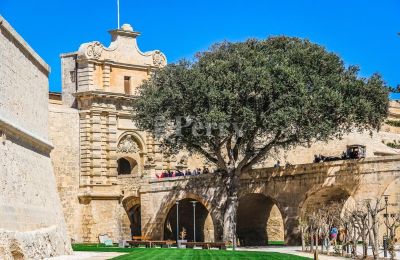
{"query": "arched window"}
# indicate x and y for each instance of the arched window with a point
(127, 166)
(124, 166)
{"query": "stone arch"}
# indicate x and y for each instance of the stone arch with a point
(322, 196)
(127, 165)
(135, 137)
(392, 191)
(253, 216)
(132, 147)
(213, 234)
(131, 217)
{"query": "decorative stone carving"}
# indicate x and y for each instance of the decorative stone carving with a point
(94, 50)
(159, 59)
(127, 145)
(149, 161)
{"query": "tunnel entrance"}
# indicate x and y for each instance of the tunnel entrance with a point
(187, 216)
(259, 221)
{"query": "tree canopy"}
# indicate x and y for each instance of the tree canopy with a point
(280, 92)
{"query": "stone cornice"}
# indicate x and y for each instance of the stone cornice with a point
(103, 94)
(86, 197)
(16, 131)
(114, 64)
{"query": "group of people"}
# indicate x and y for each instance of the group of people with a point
(187, 172)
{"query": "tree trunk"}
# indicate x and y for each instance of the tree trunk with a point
(312, 240)
(231, 206)
(375, 231)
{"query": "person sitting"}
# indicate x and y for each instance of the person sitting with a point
(206, 170)
(188, 172)
(277, 164)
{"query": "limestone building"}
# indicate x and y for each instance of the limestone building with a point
(100, 156)
(105, 167)
(31, 219)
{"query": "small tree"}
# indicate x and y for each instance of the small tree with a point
(392, 224)
(237, 103)
(374, 207)
(351, 230)
(361, 221)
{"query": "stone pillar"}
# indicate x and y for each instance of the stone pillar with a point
(96, 145)
(112, 144)
(291, 224)
(85, 76)
(106, 77)
(85, 160)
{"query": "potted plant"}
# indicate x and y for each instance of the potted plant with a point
(182, 236)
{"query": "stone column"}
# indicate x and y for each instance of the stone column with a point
(85, 155)
(112, 144)
(96, 146)
(85, 76)
(106, 77)
(291, 224)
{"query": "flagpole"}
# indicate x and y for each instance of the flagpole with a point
(118, 12)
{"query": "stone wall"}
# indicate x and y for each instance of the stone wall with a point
(64, 134)
(32, 224)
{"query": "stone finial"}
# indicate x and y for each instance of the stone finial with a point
(127, 27)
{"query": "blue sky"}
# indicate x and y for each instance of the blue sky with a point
(364, 33)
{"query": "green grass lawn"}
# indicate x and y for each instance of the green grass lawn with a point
(276, 243)
(190, 254)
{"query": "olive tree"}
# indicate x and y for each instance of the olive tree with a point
(237, 103)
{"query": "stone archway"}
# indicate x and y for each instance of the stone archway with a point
(253, 218)
(322, 197)
(131, 217)
(200, 218)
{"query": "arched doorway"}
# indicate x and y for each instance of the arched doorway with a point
(259, 220)
(187, 217)
(134, 215)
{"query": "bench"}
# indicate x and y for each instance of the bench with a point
(140, 238)
(205, 245)
(151, 243)
(134, 243)
(166, 243)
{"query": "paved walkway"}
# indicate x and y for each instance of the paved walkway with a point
(296, 250)
(87, 256)
(293, 250)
